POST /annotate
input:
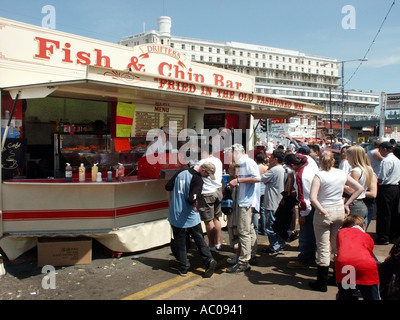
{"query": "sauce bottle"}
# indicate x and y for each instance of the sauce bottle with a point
(68, 172)
(82, 173)
(95, 169)
(120, 171)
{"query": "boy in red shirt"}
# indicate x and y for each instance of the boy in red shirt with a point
(355, 265)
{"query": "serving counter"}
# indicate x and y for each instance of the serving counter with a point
(125, 216)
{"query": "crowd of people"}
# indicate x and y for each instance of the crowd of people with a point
(333, 204)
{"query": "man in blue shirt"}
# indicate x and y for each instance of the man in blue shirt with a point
(183, 191)
(249, 175)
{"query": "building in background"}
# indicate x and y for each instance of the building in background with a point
(278, 72)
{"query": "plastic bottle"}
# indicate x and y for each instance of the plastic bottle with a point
(99, 179)
(82, 176)
(95, 170)
(120, 171)
(68, 172)
(109, 176)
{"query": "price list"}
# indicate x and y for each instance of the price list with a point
(145, 121)
(178, 118)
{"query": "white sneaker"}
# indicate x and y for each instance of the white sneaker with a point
(218, 246)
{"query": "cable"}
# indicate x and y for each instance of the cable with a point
(373, 42)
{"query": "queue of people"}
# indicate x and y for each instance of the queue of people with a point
(328, 200)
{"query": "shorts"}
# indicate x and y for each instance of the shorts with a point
(210, 206)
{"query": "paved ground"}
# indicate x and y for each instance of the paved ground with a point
(151, 275)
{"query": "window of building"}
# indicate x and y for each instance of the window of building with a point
(234, 52)
(263, 56)
(248, 63)
(210, 59)
(193, 48)
(218, 50)
(270, 57)
(257, 55)
(226, 60)
(256, 63)
(233, 61)
(218, 59)
(248, 54)
(193, 57)
(210, 49)
(201, 48)
(183, 46)
(264, 65)
(201, 58)
(277, 58)
(241, 62)
(241, 53)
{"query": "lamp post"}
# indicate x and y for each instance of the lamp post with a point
(343, 62)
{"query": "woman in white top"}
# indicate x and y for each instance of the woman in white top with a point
(326, 197)
(362, 172)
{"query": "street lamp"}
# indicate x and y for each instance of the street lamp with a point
(343, 62)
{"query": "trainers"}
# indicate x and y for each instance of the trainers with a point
(218, 246)
(238, 267)
(183, 273)
(270, 251)
(210, 269)
(297, 265)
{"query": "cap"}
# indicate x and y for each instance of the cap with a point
(304, 150)
(210, 168)
(386, 144)
(235, 147)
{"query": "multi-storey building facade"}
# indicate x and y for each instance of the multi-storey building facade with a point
(278, 72)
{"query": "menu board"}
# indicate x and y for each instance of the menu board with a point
(178, 118)
(13, 156)
(145, 121)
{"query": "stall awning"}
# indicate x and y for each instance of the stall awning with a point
(112, 85)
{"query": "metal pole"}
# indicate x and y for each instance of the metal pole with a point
(342, 99)
(330, 113)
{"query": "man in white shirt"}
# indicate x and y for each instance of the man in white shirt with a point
(210, 201)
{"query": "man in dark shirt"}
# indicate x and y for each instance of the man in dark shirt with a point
(183, 191)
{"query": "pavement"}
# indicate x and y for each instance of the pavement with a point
(153, 275)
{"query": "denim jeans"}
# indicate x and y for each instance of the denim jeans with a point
(255, 220)
(359, 208)
(263, 218)
(307, 244)
(275, 241)
(196, 233)
(259, 218)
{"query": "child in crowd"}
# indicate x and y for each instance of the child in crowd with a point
(356, 265)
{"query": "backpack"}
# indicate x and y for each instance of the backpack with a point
(227, 202)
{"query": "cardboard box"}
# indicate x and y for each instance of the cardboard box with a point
(64, 251)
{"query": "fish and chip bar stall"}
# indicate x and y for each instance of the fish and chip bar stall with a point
(56, 86)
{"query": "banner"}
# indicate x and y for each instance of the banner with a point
(124, 119)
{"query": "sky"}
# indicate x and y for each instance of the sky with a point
(344, 30)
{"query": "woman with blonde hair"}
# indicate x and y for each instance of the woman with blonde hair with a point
(330, 210)
(362, 172)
